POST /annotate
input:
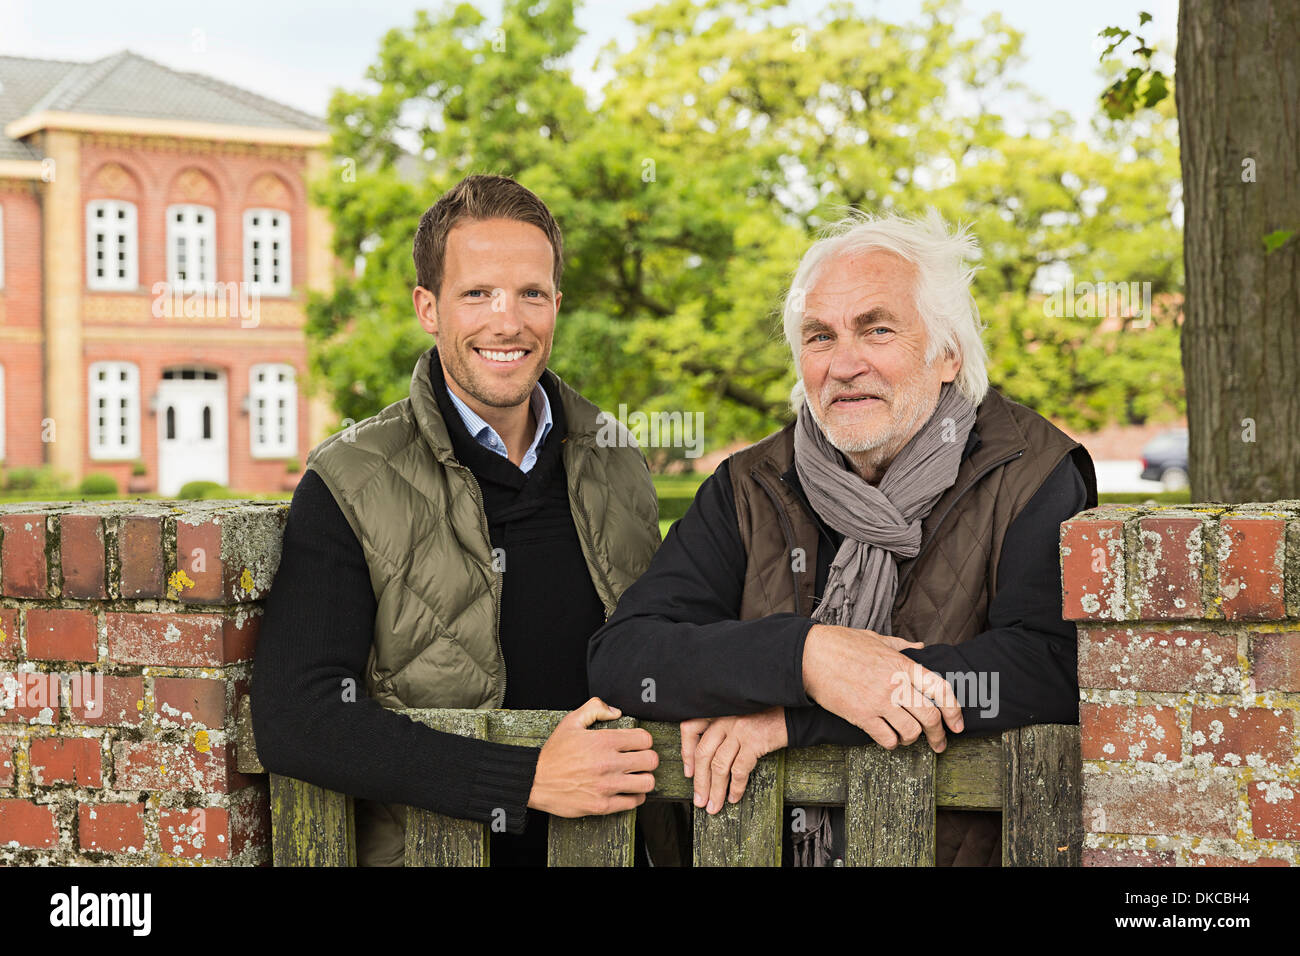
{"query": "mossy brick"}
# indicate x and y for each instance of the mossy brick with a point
(1169, 558)
(106, 700)
(1275, 660)
(1251, 561)
(1141, 658)
(1092, 570)
(111, 827)
(1120, 732)
(27, 824)
(81, 556)
(62, 634)
(227, 556)
(142, 569)
(1244, 736)
(181, 640)
(66, 760)
(24, 567)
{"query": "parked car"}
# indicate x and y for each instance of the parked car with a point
(1164, 459)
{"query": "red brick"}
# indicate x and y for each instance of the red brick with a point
(250, 817)
(1244, 732)
(1179, 660)
(82, 552)
(1210, 859)
(62, 634)
(1122, 729)
(8, 745)
(66, 760)
(1250, 576)
(1101, 856)
(1275, 661)
(8, 633)
(185, 701)
(27, 824)
(115, 827)
(155, 765)
(1137, 803)
(1275, 809)
(105, 700)
(1169, 559)
(140, 554)
(27, 697)
(181, 640)
(23, 571)
(198, 554)
(195, 833)
(1092, 570)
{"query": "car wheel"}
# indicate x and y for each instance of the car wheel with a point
(1173, 479)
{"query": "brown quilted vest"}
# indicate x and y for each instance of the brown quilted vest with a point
(945, 591)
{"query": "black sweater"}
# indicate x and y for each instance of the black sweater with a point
(319, 625)
(679, 625)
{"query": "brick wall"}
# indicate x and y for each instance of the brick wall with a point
(126, 637)
(1189, 675)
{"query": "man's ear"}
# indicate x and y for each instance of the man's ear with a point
(950, 365)
(426, 309)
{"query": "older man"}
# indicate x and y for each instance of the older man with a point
(841, 580)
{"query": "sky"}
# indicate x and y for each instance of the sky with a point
(298, 58)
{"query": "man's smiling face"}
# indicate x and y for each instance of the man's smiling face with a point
(862, 355)
(495, 311)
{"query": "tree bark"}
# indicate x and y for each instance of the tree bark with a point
(1237, 88)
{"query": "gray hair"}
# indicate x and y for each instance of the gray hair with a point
(942, 294)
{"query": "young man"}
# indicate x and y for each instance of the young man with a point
(472, 530)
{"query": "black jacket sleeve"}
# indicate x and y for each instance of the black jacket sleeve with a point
(1023, 669)
(674, 649)
(314, 640)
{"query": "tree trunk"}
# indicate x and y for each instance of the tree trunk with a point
(1238, 95)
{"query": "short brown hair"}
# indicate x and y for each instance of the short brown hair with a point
(473, 199)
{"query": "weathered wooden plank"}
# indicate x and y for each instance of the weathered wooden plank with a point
(310, 826)
(968, 774)
(814, 776)
(433, 839)
(246, 759)
(1042, 816)
(607, 840)
(889, 814)
(747, 833)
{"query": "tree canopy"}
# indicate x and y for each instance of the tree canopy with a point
(723, 140)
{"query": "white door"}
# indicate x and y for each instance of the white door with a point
(192, 439)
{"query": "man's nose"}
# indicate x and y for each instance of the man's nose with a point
(505, 313)
(849, 359)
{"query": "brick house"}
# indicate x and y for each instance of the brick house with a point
(156, 247)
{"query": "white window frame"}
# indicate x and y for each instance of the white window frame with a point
(119, 390)
(259, 229)
(116, 242)
(276, 393)
(190, 234)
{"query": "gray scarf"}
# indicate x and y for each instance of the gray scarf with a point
(881, 525)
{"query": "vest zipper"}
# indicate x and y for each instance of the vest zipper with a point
(496, 585)
(591, 550)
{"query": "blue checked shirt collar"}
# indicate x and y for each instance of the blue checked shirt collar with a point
(486, 435)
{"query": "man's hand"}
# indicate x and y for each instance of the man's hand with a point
(862, 676)
(582, 772)
(715, 750)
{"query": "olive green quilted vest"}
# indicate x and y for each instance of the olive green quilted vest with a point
(419, 516)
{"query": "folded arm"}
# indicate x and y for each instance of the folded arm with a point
(311, 715)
